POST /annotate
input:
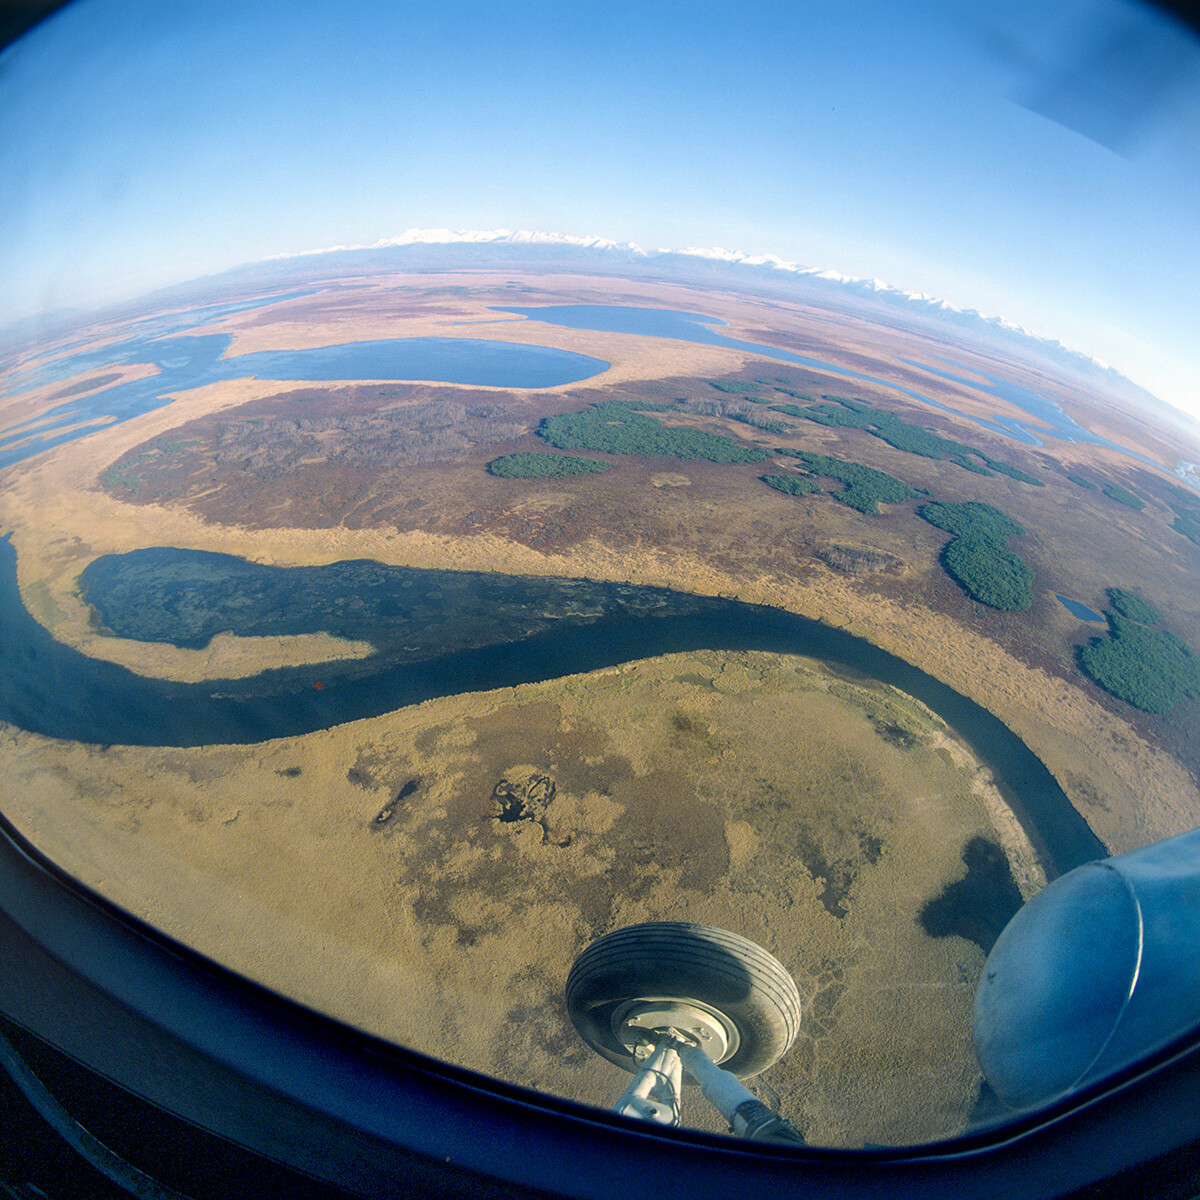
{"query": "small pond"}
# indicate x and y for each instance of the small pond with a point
(1081, 610)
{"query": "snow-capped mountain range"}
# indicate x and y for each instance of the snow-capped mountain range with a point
(526, 237)
(765, 265)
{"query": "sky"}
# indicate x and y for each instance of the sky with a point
(1033, 161)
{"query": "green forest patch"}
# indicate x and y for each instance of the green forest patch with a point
(617, 427)
(1121, 496)
(973, 521)
(865, 487)
(1149, 668)
(1131, 605)
(128, 472)
(1187, 522)
(793, 485)
(978, 558)
(737, 387)
(840, 412)
(1186, 506)
(541, 466)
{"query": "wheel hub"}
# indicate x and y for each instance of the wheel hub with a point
(635, 1021)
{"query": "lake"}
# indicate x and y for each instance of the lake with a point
(34, 369)
(1046, 411)
(192, 361)
(694, 327)
(1081, 610)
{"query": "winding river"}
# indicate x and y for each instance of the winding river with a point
(545, 629)
(436, 633)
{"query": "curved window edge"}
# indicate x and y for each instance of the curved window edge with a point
(214, 1049)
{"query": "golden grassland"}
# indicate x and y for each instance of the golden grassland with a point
(363, 870)
(440, 926)
(710, 540)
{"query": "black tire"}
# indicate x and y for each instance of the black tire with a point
(676, 960)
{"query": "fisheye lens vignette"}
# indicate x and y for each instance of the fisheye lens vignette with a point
(466, 539)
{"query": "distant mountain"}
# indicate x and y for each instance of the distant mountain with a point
(39, 328)
(438, 250)
(765, 266)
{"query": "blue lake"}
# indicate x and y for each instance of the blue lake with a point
(195, 360)
(1081, 610)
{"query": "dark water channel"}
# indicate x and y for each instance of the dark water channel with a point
(503, 631)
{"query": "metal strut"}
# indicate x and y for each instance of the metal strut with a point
(655, 1094)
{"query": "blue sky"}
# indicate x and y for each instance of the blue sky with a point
(922, 143)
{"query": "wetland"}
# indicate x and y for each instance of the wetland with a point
(491, 702)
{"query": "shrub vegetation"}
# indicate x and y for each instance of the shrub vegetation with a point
(124, 475)
(1186, 506)
(1119, 494)
(778, 428)
(1083, 481)
(978, 558)
(737, 387)
(620, 428)
(903, 435)
(538, 466)
(794, 485)
(1131, 605)
(1187, 522)
(989, 573)
(865, 487)
(974, 521)
(128, 473)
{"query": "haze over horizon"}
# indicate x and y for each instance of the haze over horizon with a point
(1032, 165)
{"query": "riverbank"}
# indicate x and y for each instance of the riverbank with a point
(1129, 787)
(365, 870)
(479, 631)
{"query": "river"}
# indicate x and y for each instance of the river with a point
(50, 688)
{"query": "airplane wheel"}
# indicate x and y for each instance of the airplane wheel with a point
(717, 988)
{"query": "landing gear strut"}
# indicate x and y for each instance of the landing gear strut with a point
(678, 1003)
